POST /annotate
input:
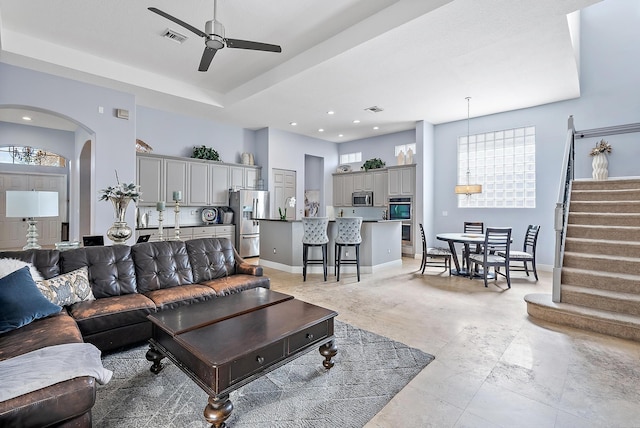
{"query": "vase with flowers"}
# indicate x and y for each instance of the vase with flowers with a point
(600, 164)
(120, 196)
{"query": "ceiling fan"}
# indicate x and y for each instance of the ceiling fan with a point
(215, 39)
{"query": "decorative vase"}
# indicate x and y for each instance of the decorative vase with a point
(600, 166)
(120, 231)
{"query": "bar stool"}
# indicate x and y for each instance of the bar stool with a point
(348, 236)
(315, 235)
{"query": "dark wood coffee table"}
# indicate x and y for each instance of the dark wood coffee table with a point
(225, 343)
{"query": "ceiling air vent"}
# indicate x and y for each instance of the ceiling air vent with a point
(174, 35)
(374, 109)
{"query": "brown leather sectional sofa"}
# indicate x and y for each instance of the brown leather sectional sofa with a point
(128, 282)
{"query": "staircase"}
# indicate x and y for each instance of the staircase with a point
(600, 281)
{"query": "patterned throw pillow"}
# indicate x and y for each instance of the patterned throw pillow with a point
(68, 288)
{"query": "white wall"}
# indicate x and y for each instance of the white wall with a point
(288, 151)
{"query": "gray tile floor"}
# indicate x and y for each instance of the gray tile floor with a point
(495, 366)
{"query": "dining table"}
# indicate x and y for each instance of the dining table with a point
(467, 240)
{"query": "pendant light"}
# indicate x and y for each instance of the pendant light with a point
(468, 189)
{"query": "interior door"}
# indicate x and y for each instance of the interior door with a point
(13, 231)
(284, 187)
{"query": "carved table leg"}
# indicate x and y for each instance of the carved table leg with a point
(218, 410)
(328, 351)
(155, 357)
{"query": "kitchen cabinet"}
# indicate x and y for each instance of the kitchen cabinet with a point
(150, 178)
(191, 232)
(208, 184)
(199, 180)
(203, 183)
(402, 180)
(251, 176)
(363, 181)
(219, 185)
(342, 189)
(380, 188)
(176, 178)
(236, 177)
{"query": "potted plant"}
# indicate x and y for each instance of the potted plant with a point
(120, 196)
(204, 152)
(374, 163)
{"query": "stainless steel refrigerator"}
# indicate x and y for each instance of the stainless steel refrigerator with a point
(248, 206)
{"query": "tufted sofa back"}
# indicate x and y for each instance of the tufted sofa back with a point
(211, 258)
(46, 261)
(111, 268)
(161, 265)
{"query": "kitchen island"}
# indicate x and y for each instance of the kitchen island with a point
(281, 246)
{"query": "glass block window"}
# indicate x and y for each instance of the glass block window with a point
(504, 163)
(351, 158)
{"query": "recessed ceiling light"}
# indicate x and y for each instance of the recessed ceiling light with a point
(340, 135)
(375, 127)
(356, 121)
(26, 118)
(320, 130)
(293, 123)
(331, 112)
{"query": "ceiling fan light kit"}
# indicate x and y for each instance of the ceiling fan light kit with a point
(215, 38)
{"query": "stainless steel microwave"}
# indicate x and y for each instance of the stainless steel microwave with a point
(362, 199)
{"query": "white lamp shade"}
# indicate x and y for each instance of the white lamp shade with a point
(31, 204)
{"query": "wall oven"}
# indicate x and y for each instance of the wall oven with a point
(400, 209)
(407, 233)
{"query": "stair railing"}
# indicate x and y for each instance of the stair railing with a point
(566, 178)
(562, 205)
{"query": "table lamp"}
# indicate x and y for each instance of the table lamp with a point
(31, 204)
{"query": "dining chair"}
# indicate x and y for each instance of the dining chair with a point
(434, 256)
(528, 253)
(348, 236)
(475, 228)
(496, 240)
(314, 235)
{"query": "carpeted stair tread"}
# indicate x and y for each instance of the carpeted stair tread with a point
(606, 322)
(603, 246)
(610, 184)
(615, 233)
(606, 206)
(606, 195)
(604, 219)
(605, 276)
(608, 300)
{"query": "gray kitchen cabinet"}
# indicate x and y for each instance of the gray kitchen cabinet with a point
(219, 185)
(342, 189)
(380, 188)
(363, 181)
(402, 180)
(199, 183)
(251, 176)
(236, 177)
(176, 179)
(150, 178)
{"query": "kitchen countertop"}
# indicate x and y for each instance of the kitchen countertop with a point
(330, 221)
(184, 226)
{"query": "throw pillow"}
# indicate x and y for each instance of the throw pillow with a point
(21, 302)
(11, 265)
(68, 288)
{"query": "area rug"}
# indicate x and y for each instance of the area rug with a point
(369, 370)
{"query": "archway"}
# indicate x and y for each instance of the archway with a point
(80, 156)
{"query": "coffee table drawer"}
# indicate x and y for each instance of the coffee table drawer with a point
(256, 361)
(308, 336)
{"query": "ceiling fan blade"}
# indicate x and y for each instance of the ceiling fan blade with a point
(256, 46)
(179, 22)
(207, 57)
